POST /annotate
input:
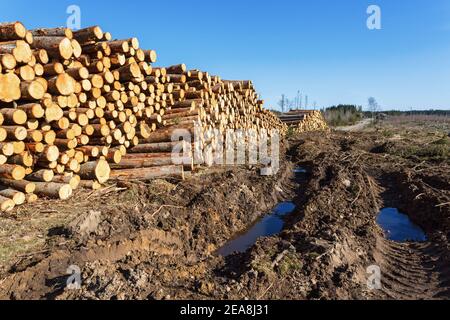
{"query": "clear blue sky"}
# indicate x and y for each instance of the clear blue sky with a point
(321, 47)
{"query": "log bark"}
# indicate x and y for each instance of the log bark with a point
(143, 161)
(13, 116)
(32, 110)
(43, 175)
(53, 32)
(6, 204)
(62, 84)
(21, 185)
(90, 184)
(148, 173)
(12, 31)
(89, 34)
(32, 90)
(19, 49)
(56, 47)
(16, 196)
(8, 61)
(98, 170)
(12, 171)
(53, 190)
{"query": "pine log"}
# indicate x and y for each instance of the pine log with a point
(21, 185)
(53, 190)
(43, 175)
(13, 116)
(10, 88)
(89, 34)
(62, 84)
(19, 49)
(148, 173)
(6, 204)
(56, 47)
(16, 196)
(53, 32)
(11, 171)
(32, 90)
(98, 170)
(8, 61)
(12, 31)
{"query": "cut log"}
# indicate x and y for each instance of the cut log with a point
(31, 197)
(26, 73)
(16, 133)
(176, 69)
(8, 61)
(150, 56)
(32, 110)
(21, 185)
(12, 171)
(90, 184)
(53, 190)
(43, 175)
(98, 170)
(73, 181)
(89, 34)
(7, 148)
(154, 161)
(159, 147)
(6, 204)
(41, 56)
(19, 49)
(53, 32)
(56, 47)
(129, 72)
(16, 196)
(32, 90)
(9, 87)
(62, 84)
(13, 116)
(148, 173)
(12, 31)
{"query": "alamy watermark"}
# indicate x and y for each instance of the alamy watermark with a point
(374, 278)
(231, 147)
(374, 20)
(74, 20)
(73, 282)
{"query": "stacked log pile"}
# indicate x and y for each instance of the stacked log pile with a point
(78, 109)
(304, 120)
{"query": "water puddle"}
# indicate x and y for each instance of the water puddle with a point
(300, 170)
(398, 227)
(267, 226)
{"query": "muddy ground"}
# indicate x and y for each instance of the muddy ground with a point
(157, 240)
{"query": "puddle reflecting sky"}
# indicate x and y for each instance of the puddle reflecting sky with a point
(398, 227)
(267, 226)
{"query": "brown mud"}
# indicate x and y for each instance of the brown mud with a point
(158, 240)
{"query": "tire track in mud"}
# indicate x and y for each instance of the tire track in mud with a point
(408, 270)
(47, 278)
(412, 271)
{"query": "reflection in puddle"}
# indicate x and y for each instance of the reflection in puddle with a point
(267, 226)
(398, 227)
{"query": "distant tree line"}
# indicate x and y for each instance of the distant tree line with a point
(445, 113)
(343, 114)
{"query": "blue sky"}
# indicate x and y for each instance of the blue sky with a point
(320, 47)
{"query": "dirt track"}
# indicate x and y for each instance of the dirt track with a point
(157, 241)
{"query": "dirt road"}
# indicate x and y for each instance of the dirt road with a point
(357, 127)
(157, 240)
